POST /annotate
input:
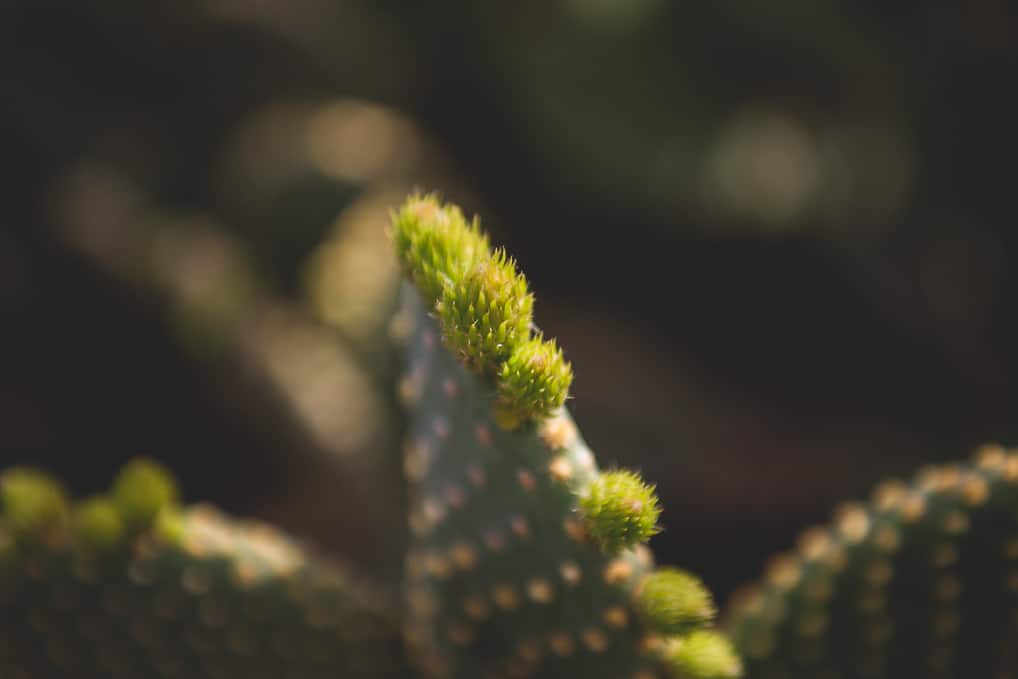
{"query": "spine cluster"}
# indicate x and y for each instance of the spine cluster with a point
(526, 559)
(485, 308)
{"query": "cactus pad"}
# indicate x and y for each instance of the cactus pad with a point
(526, 561)
(190, 594)
(922, 582)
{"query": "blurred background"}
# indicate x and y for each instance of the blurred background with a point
(776, 240)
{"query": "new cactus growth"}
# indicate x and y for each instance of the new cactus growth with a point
(619, 510)
(486, 315)
(674, 601)
(131, 585)
(34, 505)
(532, 384)
(141, 490)
(436, 245)
(526, 559)
(97, 525)
(702, 654)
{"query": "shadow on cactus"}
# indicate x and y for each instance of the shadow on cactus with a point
(525, 559)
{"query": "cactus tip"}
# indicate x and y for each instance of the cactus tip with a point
(704, 654)
(620, 510)
(32, 503)
(97, 524)
(143, 488)
(436, 245)
(672, 601)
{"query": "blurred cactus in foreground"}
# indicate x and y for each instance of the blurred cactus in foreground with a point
(129, 584)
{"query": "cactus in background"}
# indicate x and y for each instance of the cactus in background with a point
(526, 560)
(922, 582)
(129, 584)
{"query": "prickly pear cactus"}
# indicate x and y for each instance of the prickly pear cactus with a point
(527, 561)
(130, 585)
(922, 582)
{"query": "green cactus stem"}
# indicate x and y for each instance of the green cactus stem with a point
(922, 582)
(526, 560)
(187, 593)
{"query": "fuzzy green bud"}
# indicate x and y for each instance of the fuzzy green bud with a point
(168, 526)
(487, 314)
(702, 655)
(32, 503)
(97, 524)
(671, 601)
(620, 510)
(141, 489)
(436, 245)
(532, 384)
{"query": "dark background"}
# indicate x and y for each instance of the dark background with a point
(775, 240)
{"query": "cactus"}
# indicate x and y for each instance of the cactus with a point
(923, 581)
(130, 585)
(526, 560)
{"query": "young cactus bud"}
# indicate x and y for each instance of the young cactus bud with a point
(168, 526)
(97, 525)
(620, 510)
(142, 488)
(702, 655)
(487, 314)
(32, 504)
(532, 384)
(674, 602)
(436, 245)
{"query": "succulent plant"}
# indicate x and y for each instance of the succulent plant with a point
(524, 558)
(922, 581)
(129, 584)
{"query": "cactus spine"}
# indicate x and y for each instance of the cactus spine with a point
(526, 560)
